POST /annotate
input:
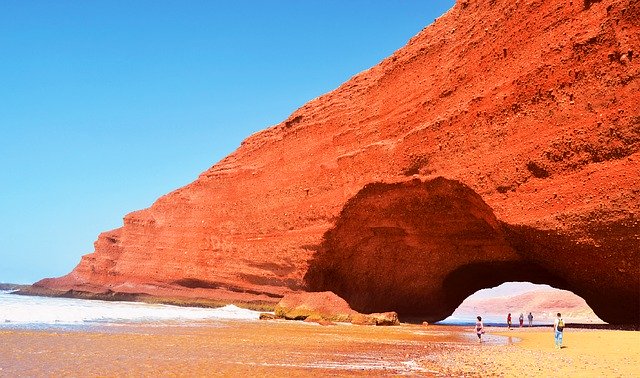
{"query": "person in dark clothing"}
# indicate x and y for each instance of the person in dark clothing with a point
(479, 328)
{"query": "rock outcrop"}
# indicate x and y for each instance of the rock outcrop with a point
(528, 110)
(317, 305)
(326, 307)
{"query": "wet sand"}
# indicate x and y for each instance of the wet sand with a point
(531, 352)
(282, 348)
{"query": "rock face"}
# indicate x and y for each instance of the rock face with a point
(527, 109)
(319, 305)
(393, 242)
(326, 306)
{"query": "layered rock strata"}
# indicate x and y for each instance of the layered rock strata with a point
(527, 109)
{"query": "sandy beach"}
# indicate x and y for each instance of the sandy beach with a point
(283, 348)
(530, 352)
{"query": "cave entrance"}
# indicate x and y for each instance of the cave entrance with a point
(542, 301)
(418, 248)
(468, 279)
(421, 248)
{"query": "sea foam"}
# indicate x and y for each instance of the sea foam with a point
(19, 309)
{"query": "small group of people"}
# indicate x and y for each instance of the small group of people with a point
(521, 319)
(558, 327)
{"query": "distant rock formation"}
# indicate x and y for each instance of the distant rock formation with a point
(501, 143)
(12, 287)
(543, 304)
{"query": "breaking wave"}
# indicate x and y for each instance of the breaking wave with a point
(31, 310)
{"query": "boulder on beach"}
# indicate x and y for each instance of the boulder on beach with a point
(378, 318)
(324, 307)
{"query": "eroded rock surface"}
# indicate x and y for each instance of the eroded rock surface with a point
(422, 247)
(322, 307)
(401, 247)
(530, 106)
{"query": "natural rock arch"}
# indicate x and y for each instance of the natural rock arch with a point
(420, 248)
(550, 138)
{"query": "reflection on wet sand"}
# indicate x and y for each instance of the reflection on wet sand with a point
(237, 348)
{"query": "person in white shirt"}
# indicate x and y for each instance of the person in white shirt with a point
(558, 328)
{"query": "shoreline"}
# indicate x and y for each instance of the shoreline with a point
(112, 296)
(294, 348)
(30, 290)
(575, 326)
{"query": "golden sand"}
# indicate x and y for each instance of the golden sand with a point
(282, 348)
(532, 353)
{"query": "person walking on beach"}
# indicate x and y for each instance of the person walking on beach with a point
(558, 328)
(479, 328)
(521, 319)
(530, 316)
(509, 320)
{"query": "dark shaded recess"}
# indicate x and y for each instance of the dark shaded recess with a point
(310, 247)
(537, 170)
(505, 188)
(194, 283)
(393, 244)
(416, 164)
(604, 272)
(293, 121)
(290, 283)
(107, 295)
(587, 3)
(236, 289)
(277, 269)
(420, 249)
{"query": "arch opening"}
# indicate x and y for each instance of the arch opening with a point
(469, 279)
(541, 301)
(421, 248)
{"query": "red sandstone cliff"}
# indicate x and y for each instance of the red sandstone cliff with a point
(528, 108)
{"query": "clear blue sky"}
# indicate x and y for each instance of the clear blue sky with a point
(107, 105)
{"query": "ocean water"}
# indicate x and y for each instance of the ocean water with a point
(468, 319)
(76, 337)
(32, 312)
(491, 320)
